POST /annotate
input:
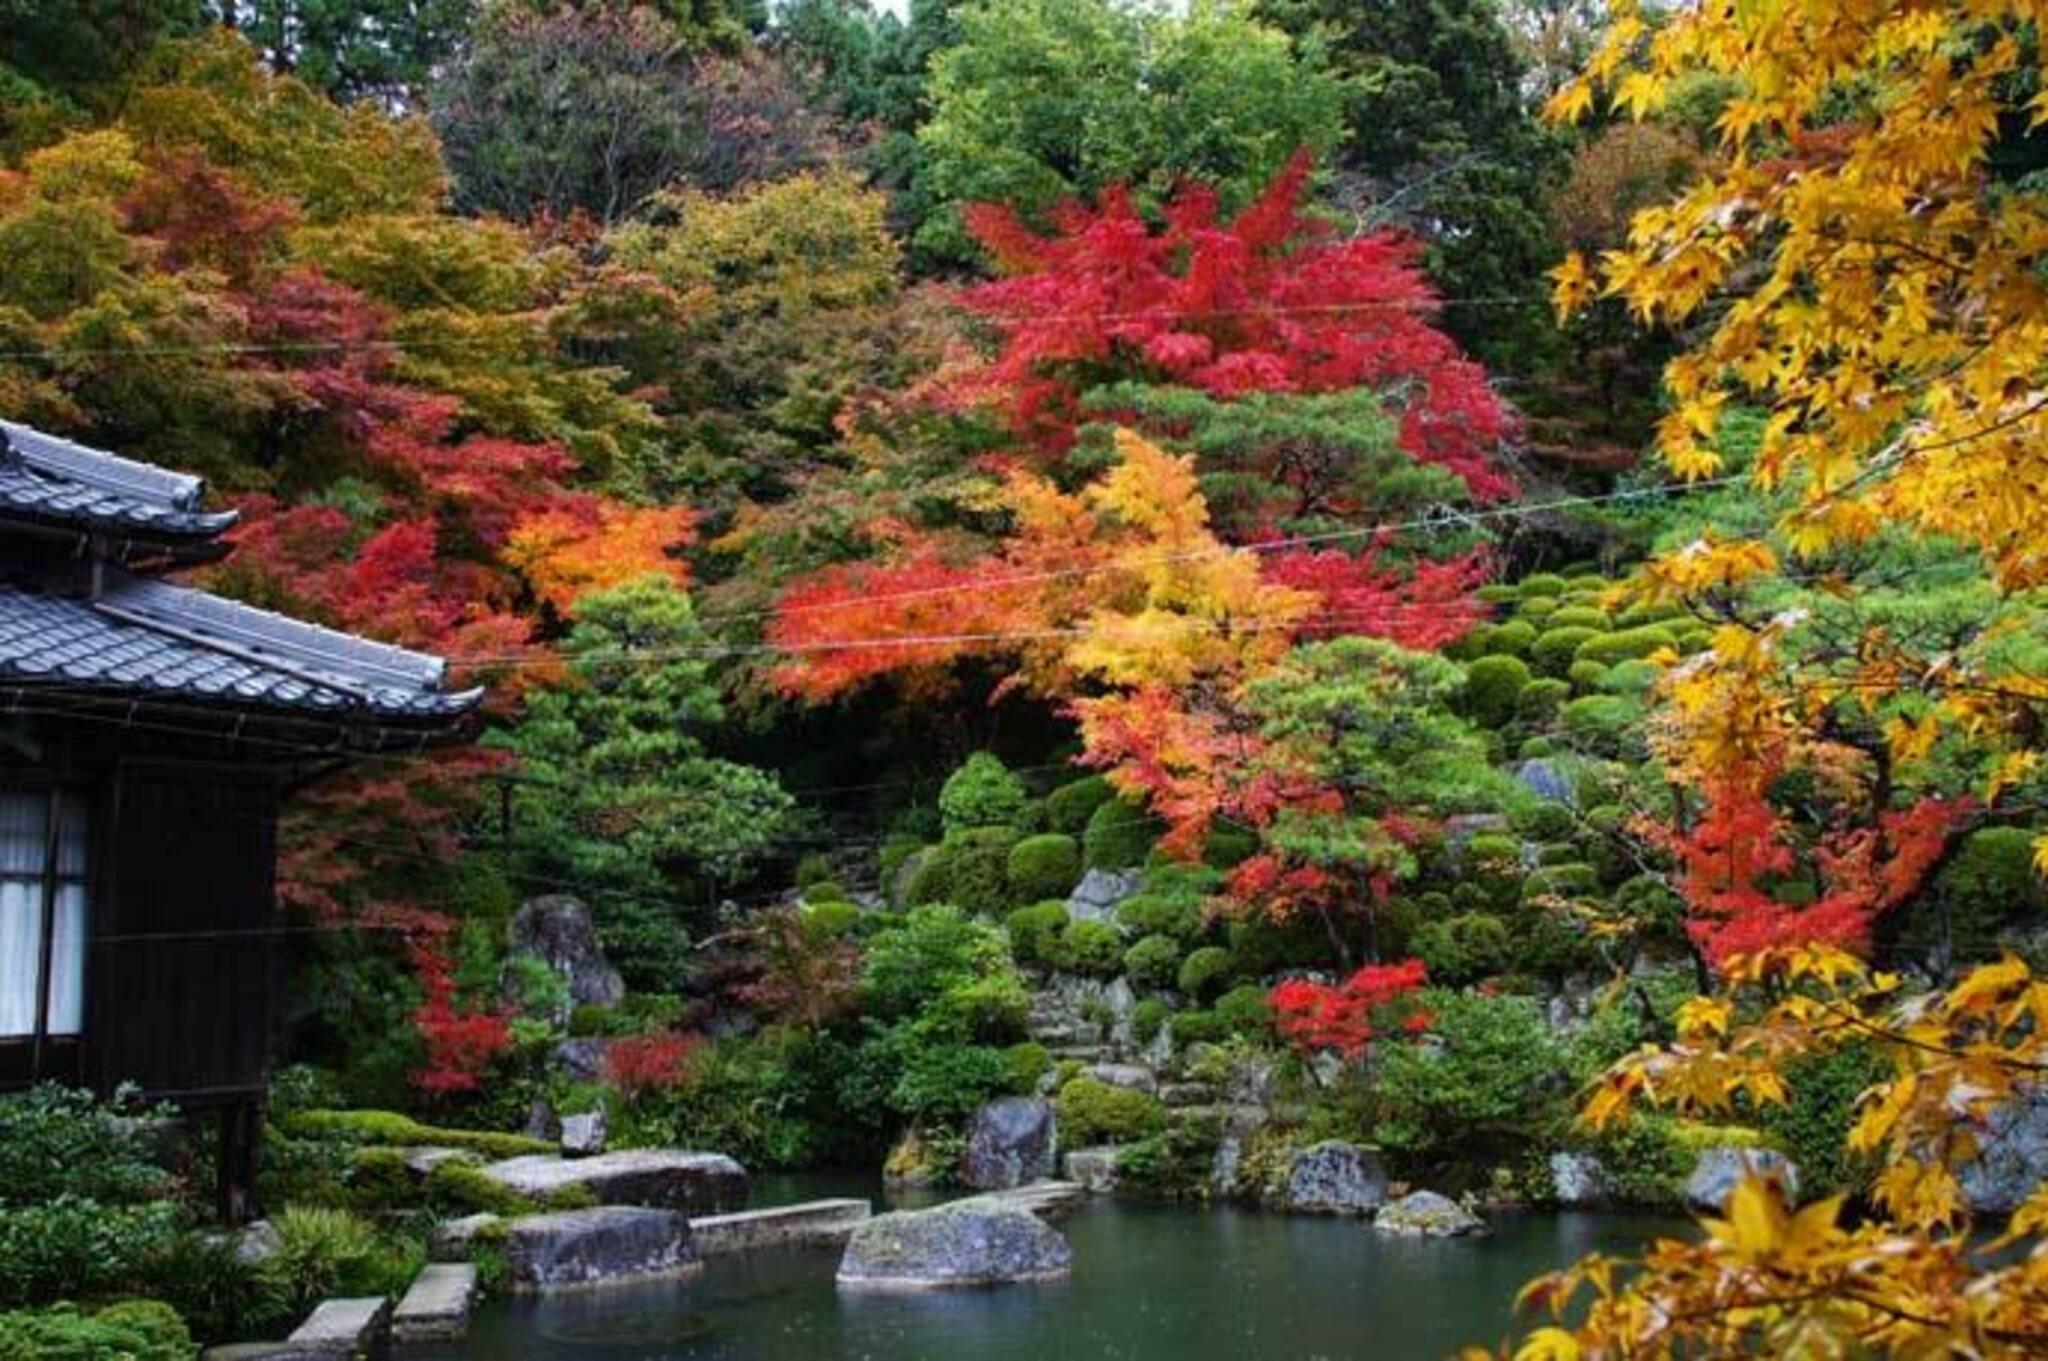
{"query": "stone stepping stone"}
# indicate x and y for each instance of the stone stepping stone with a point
(810, 1222)
(346, 1327)
(436, 1307)
(602, 1246)
(1045, 1199)
(649, 1178)
(454, 1240)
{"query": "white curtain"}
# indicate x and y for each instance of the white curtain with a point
(24, 841)
(67, 925)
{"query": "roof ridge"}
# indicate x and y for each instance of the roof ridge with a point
(53, 455)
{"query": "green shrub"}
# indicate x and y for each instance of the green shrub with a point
(1812, 1125)
(1092, 948)
(1579, 617)
(1635, 616)
(1068, 808)
(1540, 699)
(1228, 847)
(1092, 1112)
(394, 1130)
(1029, 1062)
(133, 1330)
(1198, 1027)
(1491, 1077)
(220, 1297)
(1203, 973)
(1557, 853)
(1630, 678)
(1153, 962)
(1148, 1018)
(1537, 609)
(1626, 646)
(1585, 676)
(1494, 853)
(1987, 884)
(1119, 835)
(1543, 820)
(1512, 639)
(823, 891)
(991, 1009)
(926, 880)
(1161, 914)
(1564, 881)
(1035, 932)
(1244, 1010)
(1496, 592)
(978, 869)
(1541, 583)
(72, 1245)
(1554, 652)
(1045, 866)
(945, 1083)
(889, 859)
(380, 1180)
(1536, 748)
(1463, 949)
(1606, 725)
(61, 1141)
(982, 793)
(826, 920)
(812, 867)
(926, 953)
(1491, 686)
(323, 1252)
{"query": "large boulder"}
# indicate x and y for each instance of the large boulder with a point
(1425, 1214)
(1720, 1170)
(1100, 893)
(1010, 1141)
(557, 930)
(601, 1246)
(1334, 1178)
(968, 1243)
(652, 1178)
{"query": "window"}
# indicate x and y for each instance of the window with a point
(42, 913)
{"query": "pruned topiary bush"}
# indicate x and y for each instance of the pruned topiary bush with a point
(1092, 1112)
(1556, 649)
(1119, 835)
(1092, 948)
(1161, 914)
(1491, 687)
(1035, 932)
(977, 869)
(1068, 808)
(1626, 646)
(983, 792)
(1203, 973)
(1153, 963)
(1044, 866)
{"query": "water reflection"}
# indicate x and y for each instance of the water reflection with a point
(1191, 1285)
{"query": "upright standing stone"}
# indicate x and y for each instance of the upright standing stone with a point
(1011, 1141)
(557, 930)
(1335, 1178)
(1720, 1170)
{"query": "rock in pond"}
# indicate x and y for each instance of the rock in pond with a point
(650, 1178)
(1425, 1214)
(556, 928)
(1579, 1179)
(601, 1246)
(1719, 1170)
(973, 1242)
(1009, 1142)
(1335, 1178)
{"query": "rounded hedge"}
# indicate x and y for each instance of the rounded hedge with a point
(982, 793)
(1203, 973)
(977, 869)
(1491, 686)
(1604, 724)
(1585, 675)
(1553, 652)
(1161, 914)
(1494, 853)
(1044, 866)
(825, 920)
(811, 867)
(1542, 583)
(1538, 608)
(1579, 616)
(1463, 949)
(1629, 678)
(1092, 948)
(1545, 821)
(1068, 808)
(1148, 1018)
(1119, 836)
(1539, 699)
(1197, 1027)
(1091, 1112)
(1244, 1009)
(1512, 639)
(1153, 963)
(822, 891)
(1496, 592)
(1035, 932)
(1565, 881)
(1626, 646)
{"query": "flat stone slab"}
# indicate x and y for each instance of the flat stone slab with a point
(1094, 1170)
(436, 1308)
(454, 1240)
(974, 1242)
(1045, 1199)
(263, 1351)
(346, 1327)
(813, 1221)
(424, 1158)
(648, 1178)
(608, 1245)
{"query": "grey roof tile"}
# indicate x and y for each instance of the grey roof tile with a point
(54, 479)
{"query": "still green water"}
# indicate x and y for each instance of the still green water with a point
(1148, 1281)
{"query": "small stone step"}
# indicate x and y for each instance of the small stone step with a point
(812, 1221)
(649, 1178)
(455, 1240)
(436, 1308)
(348, 1327)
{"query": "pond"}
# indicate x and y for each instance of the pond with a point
(1148, 1281)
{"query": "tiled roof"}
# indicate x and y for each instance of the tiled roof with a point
(48, 478)
(149, 639)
